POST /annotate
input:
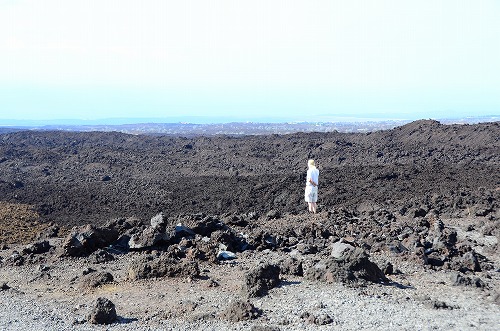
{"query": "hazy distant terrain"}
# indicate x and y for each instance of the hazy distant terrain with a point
(224, 126)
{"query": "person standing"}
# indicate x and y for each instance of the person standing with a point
(311, 192)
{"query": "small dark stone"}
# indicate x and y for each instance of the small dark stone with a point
(322, 319)
(420, 212)
(43, 268)
(442, 305)
(478, 282)
(305, 315)
(102, 256)
(435, 260)
(88, 271)
(388, 269)
(241, 311)
(482, 212)
(273, 214)
(17, 184)
(210, 284)
(104, 312)
(37, 248)
(460, 280)
(264, 328)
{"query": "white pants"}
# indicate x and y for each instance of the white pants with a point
(311, 193)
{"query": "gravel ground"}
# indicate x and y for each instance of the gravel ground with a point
(37, 301)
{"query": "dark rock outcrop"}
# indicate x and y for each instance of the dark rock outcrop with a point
(101, 256)
(163, 266)
(261, 279)
(350, 265)
(291, 266)
(240, 311)
(82, 241)
(39, 247)
(4, 286)
(321, 319)
(149, 237)
(15, 259)
(461, 280)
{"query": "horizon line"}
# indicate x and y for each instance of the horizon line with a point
(206, 119)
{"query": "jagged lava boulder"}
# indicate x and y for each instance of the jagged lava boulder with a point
(104, 312)
(261, 279)
(85, 240)
(240, 311)
(163, 266)
(348, 265)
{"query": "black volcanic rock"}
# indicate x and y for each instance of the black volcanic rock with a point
(163, 266)
(104, 312)
(350, 266)
(420, 166)
(85, 240)
(37, 247)
(261, 279)
(240, 311)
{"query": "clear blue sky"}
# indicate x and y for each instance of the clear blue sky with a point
(91, 59)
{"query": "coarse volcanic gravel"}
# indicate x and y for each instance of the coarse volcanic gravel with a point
(53, 300)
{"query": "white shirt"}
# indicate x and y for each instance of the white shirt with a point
(312, 173)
